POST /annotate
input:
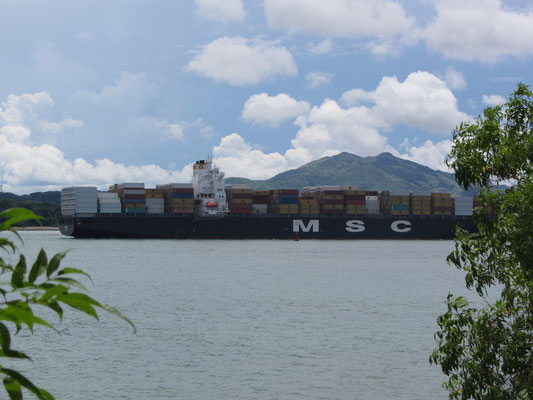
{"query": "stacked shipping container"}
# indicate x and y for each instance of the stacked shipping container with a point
(239, 200)
(463, 206)
(420, 205)
(155, 201)
(354, 201)
(178, 198)
(284, 201)
(441, 204)
(109, 203)
(78, 200)
(133, 196)
(260, 201)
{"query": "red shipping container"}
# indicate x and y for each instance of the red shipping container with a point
(354, 197)
(333, 201)
(356, 202)
(241, 210)
(240, 196)
(183, 210)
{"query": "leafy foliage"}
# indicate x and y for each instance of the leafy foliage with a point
(487, 352)
(43, 283)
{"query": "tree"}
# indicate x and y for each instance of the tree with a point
(487, 351)
(45, 285)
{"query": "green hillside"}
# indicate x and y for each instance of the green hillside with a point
(382, 172)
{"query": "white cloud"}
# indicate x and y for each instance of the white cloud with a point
(479, 30)
(493, 100)
(422, 100)
(338, 17)
(58, 127)
(130, 92)
(383, 21)
(25, 167)
(239, 61)
(315, 79)
(220, 10)
(454, 79)
(323, 47)
(272, 110)
(237, 158)
(429, 154)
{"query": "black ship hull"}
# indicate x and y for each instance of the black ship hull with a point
(266, 227)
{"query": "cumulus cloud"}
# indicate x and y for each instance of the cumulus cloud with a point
(238, 158)
(479, 30)
(493, 100)
(315, 79)
(239, 61)
(429, 154)
(272, 110)
(454, 79)
(25, 167)
(323, 47)
(383, 21)
(220, 10)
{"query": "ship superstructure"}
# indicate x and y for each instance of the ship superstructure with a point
(209, 191)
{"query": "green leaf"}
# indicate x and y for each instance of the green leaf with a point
(16, 215)
(70, 282)
(39, 267)
(5, 337)
(117, 313)
(55, 290)
(80, 301)
(26, 383)
(66, 271)
(54, 263)
(21, 313)
(17, 278)
(13, 389)
(7, 243)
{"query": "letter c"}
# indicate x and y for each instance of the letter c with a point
(401, 226)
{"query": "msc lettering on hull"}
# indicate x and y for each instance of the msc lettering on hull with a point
(353, 226)
(299, 226)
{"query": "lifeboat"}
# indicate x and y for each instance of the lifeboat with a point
(211, 204)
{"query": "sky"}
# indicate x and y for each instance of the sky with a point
(100, 92)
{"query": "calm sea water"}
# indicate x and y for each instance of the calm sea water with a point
(247, 320)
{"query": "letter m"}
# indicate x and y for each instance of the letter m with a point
(299, 226)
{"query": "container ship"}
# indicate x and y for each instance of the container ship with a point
(207, 208)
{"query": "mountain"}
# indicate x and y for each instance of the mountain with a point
(381, 172)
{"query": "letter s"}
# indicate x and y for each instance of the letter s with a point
(355, 225)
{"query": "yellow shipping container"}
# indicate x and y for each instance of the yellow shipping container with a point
(133, 205)
(399, 212)
(291, 211)
(333, 206)
(240, 201)
(332, 197)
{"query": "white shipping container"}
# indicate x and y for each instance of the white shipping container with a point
(108, 195)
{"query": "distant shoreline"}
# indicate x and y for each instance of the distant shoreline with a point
(36, 228)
